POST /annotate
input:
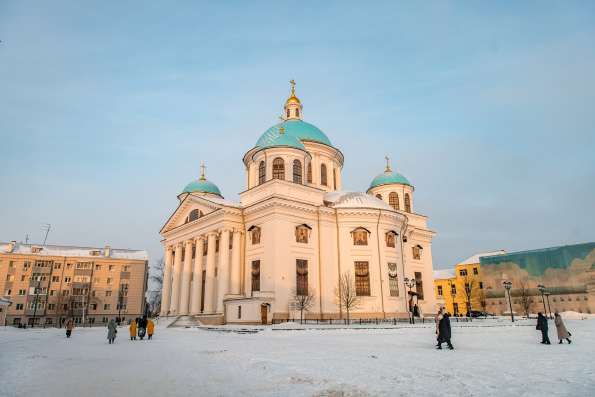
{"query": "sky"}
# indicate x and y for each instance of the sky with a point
(108, 108)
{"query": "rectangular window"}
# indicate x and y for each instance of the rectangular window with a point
(111, 268)
(106, 306)
(453, 289)
(463, 272)
(55, 279)
(256, 275)
(390, 239)
(22, 292)
(109, 280)
(65, 292)
(439, 290)
(67, 279)
(360, 237)
(301, 270)
(362, 279)
(23, 277)
(108, 293)
(57, 265)
(475, 271)
(52, 306)
(393, 280)
(19, 306)
(416, 251)
(467, 288)
(240, 311)
(419, 286)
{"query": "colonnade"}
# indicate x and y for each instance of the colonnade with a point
(182, 292)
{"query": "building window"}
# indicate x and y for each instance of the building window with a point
(57, 265)
(419, 286)
(379, 196)
(262, 173)
(301, 270)
(463, 272)
(416, 249)
(107, 306)
(108, 293)
(297, 171)
(216, 245)
(19, 306)
(52, 306)
(297, 112)
(393, 280)
(334, 178)
(323, 176)
(309, 173)
(391, 239)
(475, 271)
(360, 236)
(255, 233)
(22, 292)
(278, 168)
(240, 311)
(288, 114)
(480, 285)
(439, 290)
(407, 203)
(194, 215)
(301, 234)
(362, 279)
(256, 275)
(467, 288)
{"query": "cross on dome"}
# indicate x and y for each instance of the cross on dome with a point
(293, 106)
(203, 167)
(388, 169)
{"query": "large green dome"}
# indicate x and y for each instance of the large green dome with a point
(295, 128)
(284, 140)
(388, 178)
(202, 186)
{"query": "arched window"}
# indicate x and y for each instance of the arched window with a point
(194, 215)
(407, 203)
(360, 236)
(334, 178)
(301, 275)
(288, 114)
(262, 173)
(278, 168)
(297, 171)
(393, 200)
(379, 196)
(323, 175)
(297, 112)
(309, 172)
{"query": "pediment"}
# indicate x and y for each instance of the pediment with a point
(187, 210)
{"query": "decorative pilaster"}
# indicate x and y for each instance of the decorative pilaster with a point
(166, 289)
(223, 272)
(210, 274)
(186, 273)
(197, 278)
(236, 271)
(177, 278)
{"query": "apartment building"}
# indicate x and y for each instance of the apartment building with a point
(49, 284)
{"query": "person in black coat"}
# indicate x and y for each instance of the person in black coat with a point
(543, 327)
(444, 331)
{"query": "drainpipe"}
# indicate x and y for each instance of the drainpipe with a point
(403, 229)
(339, 265)
(379, 263)
(319, 263)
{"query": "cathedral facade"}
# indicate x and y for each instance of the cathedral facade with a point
(295, 233)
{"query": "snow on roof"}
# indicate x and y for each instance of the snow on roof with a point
(355, 200)
(475, 258)
(4, 301)
(221, 201)
(68, 250)
(441, 274)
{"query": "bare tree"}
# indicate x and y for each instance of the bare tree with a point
(155, 285)
(468, 290)
(482, 301)
(345, 294)
(303, 302)
(524, 297)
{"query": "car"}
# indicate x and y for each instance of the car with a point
(477, 313)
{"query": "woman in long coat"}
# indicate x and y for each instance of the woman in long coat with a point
(111, 331)
(69, 327)
(561, 328)
(132, 329)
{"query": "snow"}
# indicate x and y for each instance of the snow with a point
(73, 251)
(570, 315)
(491, 358)
(475, 258)
(443, 274)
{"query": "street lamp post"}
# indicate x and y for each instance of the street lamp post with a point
(508, 285)
(410, 284)
(541, 289)
(549, 308)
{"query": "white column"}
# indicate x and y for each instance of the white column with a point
(223, 272)
(210, 275)
(177, 271)
(197, 278)
(236, 271)
(166, 289)
(186, 273)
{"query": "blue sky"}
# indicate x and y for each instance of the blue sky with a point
(107, 109)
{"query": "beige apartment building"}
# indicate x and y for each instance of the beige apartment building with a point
(48, 284)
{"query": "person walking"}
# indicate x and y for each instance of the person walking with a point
(112, 330)
(69, 327)
(437, 319)
(150, 329)
(561, 329)
(444, 333)
(543, 327)
(132, 329)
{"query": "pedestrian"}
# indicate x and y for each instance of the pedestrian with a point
(150, 328)
(112, 330)
(543, 327)
(133, 329)
(142, 327)
(437, 319)
(444, 332)
(69, 327)
(561, 329)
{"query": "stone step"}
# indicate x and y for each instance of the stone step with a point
(197, 320)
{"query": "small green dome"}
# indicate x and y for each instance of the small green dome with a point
(295, 128)
(202, 186)
(284, 140)
(388, 178)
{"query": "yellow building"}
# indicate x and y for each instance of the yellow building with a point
(461, 290)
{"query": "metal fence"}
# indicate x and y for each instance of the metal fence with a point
(366, 321)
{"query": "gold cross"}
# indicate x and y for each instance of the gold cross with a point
(203, 167)
(292, 82)
(387, 163)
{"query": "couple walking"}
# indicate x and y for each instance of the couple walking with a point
(561, 330)
(443, 329)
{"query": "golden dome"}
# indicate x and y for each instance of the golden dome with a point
(292, 98)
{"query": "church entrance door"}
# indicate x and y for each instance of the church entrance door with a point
(264, 313)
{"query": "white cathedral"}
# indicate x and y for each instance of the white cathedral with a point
(295, 233)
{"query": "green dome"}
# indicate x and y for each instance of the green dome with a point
(295, 128)
(202, 186)
(389, 178)
(284, 140)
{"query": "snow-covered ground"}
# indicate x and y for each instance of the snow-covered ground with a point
(500, 360)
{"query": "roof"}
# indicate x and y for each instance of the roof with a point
(442, 274)
(68, 250)
(221, 201)
(355, 200)
(202, 186)
(475, 258)
(389, 177)
(284, 140)
(295, 128)
(5, 301)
